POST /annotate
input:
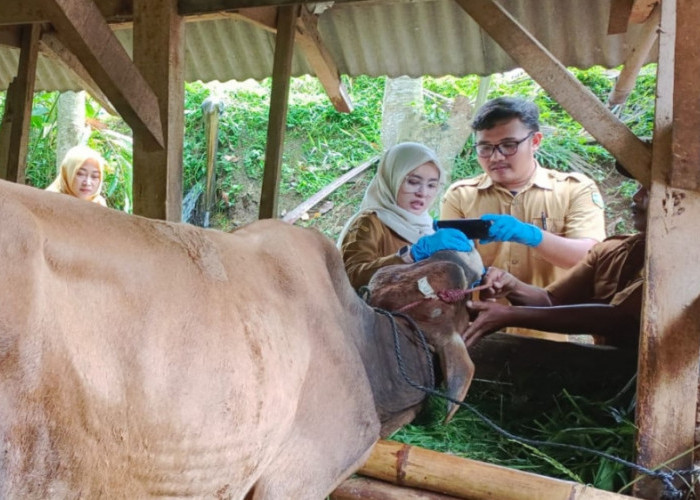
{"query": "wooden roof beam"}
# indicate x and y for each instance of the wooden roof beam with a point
(574, 97)
(321, 60)
(619, 16)
(82, 30)
(120, 11)
(308, 38)
(635, 60)
(641, 10)
(11, 36)
(50, 46)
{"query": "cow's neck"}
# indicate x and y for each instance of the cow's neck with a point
(397, 402)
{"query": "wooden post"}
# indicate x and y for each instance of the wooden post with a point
(19, 106)
(667, 386)
(279, 96)
(159, 52)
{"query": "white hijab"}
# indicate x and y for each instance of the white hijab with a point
(381, 195)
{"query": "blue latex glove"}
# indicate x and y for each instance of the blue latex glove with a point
(508, 228)
(442, 239)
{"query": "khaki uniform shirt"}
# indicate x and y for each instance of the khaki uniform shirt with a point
(564, 203)
(368, 246)
(611, 273)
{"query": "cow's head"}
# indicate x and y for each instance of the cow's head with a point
(415, 290)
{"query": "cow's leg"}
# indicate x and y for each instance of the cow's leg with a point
(310, 479)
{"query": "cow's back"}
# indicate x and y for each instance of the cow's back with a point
(142, 357)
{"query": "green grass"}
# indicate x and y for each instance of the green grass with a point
(564, 418)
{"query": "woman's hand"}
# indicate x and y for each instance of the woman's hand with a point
(442, 239)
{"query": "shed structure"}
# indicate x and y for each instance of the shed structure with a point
(135, 55)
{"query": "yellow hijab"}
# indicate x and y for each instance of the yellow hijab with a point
(74, 159)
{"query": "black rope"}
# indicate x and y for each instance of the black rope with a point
(670, 490)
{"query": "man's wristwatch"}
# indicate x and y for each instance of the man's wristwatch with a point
(405, 254)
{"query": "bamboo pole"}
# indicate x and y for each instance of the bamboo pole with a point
(372, 489)
(468, 479)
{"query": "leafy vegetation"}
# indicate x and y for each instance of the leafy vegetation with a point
(109, 135)
(322, 144)
(562, 418)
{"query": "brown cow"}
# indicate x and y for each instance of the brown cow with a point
(144, 358)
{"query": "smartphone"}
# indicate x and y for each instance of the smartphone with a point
(474, 229)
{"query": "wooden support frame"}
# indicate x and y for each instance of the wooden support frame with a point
(83, 30)
(279, 97)
(18, 107)
(641, 10)
(308, 39)
(667, 386)
(50, 46)
(635, 60)
(580, 102)
(619, 16)
(159, 53)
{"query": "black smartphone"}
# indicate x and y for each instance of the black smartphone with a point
(474, 229)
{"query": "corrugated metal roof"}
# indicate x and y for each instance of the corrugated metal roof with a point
(421, 37)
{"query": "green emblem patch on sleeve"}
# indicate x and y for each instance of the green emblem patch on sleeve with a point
(597, 199)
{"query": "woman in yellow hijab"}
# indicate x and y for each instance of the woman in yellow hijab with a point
(80, 175)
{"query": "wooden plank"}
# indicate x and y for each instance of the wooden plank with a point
(670, 339)
(641, 10)
(463, 478)
(159, 54)
(82, 29)
(120, 11)
(51, 47)
(279, 97)
(540, 369)
(685, 171)
(308, 39)
(11, 36)
(580, 102)
(619, 16)
(363, 488)
(321, 60)
(293, 215)
(637, 57)
(189, 7)
(20, 104)
(21, 12)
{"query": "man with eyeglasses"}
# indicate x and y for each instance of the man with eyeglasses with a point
(543, 221)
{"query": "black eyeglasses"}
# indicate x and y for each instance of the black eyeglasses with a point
(506, 148)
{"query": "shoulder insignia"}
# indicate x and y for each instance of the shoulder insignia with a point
(472, 181)
(597, 199)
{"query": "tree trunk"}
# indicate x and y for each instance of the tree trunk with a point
(70, 120)
(403, 119)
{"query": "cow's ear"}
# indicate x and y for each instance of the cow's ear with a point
(458, 370)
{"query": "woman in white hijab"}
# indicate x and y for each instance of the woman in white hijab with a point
(393, 225)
